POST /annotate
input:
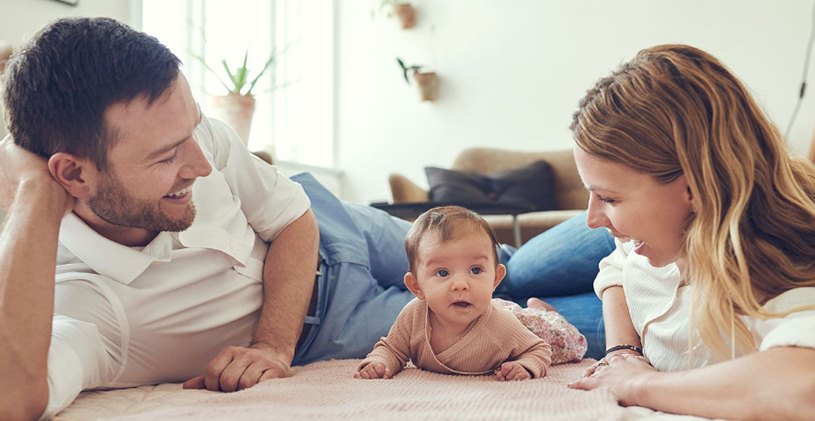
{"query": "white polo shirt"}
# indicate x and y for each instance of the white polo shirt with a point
(133, 316)
(659, 305)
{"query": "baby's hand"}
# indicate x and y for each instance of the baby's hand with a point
(373, 371)
(511, 371)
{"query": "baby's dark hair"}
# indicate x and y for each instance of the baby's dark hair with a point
(447, 221)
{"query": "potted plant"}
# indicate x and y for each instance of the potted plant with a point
(238, 105)
(403, 10)
(428, 81)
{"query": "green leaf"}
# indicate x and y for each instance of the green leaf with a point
(262, 71)
(241, 80)
(214, 73)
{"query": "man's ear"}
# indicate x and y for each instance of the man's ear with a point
(500, 272)
(413, 285)
(76, 175)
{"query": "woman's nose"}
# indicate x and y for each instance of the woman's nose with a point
(596, 217)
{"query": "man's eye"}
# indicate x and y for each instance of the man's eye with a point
(443, 273)
(169, 160)
(476, 270)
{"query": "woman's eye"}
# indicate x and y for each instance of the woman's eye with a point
(606, 199)
(443, 273)
(476, 270)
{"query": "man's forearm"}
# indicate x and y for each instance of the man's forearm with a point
(619, 328)
(288, 281)
(28, 248)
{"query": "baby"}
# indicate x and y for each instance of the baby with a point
(454, 326)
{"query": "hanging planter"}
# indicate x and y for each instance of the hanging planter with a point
(406, 14)
(428, 82)
(428, 85)
(402, 9)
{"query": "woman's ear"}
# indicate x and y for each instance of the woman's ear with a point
(76, 175)
(688, 192)
(413, 285)
(500, 272)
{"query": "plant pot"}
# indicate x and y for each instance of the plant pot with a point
(406, 13)
(236, 111)
(428, 85)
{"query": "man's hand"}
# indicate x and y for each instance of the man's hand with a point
(237, 368)
(373, 371)
(18, 166)
(512, 370)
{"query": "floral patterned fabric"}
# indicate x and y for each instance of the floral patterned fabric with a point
(567, 343)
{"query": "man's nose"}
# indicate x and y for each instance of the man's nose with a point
(197, 164)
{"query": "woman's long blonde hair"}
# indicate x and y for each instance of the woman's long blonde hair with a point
(675, 110)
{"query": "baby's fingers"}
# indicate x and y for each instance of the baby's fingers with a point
(373, 371)
(382, 372)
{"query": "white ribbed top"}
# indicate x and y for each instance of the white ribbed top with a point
(659, 305)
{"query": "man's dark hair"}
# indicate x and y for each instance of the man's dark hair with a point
(59, 85)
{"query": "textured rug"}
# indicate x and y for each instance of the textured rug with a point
(328, 391)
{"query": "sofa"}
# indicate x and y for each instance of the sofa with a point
(570, 196)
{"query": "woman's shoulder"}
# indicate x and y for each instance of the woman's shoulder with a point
(795, 327)
(792, 299)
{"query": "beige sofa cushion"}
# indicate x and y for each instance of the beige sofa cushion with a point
(570, 195)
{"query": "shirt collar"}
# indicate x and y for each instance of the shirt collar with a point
(109, 258)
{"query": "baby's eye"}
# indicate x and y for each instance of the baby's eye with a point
(476, 270)
(443, 273)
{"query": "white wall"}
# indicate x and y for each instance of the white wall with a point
(513, 70)
(19, 19)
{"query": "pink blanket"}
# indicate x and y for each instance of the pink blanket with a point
(327, 390)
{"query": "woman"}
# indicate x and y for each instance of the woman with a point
(709, 297)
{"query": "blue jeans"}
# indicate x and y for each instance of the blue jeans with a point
(360, 290)
(559, 265)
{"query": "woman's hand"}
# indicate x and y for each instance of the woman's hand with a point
(622, 373)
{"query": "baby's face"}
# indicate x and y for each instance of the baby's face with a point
(457, 277)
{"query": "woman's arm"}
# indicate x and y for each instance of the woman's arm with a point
(619, 328)
(775, 384)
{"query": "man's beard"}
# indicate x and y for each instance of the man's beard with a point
(114, 206)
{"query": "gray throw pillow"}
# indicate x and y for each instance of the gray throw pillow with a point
(530, 186)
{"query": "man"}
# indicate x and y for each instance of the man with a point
(179, 256)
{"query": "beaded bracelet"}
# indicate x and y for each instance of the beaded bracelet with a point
(634, 348)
